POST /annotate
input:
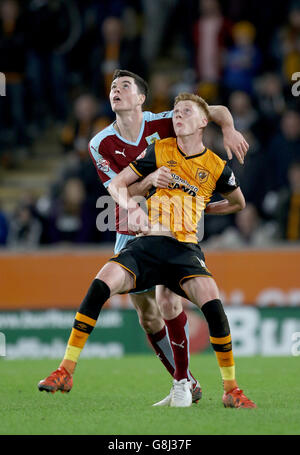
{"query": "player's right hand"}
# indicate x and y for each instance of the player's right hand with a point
(161, 178)
(138, 221)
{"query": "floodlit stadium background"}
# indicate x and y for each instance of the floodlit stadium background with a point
(56, 63)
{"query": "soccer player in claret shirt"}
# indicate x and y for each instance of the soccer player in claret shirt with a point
(166, 251)
(112, 150)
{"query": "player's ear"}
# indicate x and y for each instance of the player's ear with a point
(142, 98)
(204, 122)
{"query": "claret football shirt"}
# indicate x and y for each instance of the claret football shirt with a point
(111, 153)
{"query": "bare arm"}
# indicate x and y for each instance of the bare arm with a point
(118, 188)
(234, 142)
(140, 188)
(159, 179)
(233, 202)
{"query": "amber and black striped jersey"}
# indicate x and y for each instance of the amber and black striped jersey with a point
(195, 178)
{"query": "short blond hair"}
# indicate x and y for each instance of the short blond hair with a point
(201, 103)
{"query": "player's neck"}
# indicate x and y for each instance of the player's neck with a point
(128, 124)
(191, 144)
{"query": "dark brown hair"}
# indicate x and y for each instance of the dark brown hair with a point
(140, 82)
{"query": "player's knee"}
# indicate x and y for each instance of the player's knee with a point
(116, 278)
(146, 324)
(170, 309)
(169, 304)
(150, 323)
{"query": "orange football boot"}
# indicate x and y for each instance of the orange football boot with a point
(235, 398)
(60, 379)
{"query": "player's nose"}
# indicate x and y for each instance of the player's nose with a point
(178, 114)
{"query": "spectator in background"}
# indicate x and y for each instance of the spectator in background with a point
(283, 148)
(110, 52)
(212, 34)
(25, 228)
(288, 207)
(86, 121)
(48, 29)
(3, 227)
(69, 220)
(252, 175)
(244, 115)
(159, 87)
(115, 48)
(156, 16)
(209, 91)
(81, 61)
(286, 44)
(271, 103)
(12, 64)
(242, 60)
(249, 231)
(252, 178)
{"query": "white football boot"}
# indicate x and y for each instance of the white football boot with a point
(196, 396)
(165, 401)
(181, 396)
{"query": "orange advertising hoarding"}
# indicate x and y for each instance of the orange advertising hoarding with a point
(60, 279)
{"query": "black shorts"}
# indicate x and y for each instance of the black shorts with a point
(154, 260)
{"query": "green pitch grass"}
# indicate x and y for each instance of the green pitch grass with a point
(114, 397)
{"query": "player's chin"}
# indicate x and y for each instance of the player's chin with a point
(116, 107)
(179, 130)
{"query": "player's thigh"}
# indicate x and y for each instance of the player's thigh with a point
(116, 277)
(145, 303)
(169, 303)
(201, 289)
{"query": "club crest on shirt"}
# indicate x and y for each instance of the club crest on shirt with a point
(202, 175)
(141, 155)
(103, 165)
(152, 138)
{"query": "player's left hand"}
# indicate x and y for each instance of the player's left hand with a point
(235, 143)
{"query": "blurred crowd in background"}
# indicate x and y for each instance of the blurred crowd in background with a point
(59, 56)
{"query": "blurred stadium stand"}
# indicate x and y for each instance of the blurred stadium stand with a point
(58, 57)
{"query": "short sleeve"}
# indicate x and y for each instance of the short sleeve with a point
(102, 164)
(227, 181)
(146, 164)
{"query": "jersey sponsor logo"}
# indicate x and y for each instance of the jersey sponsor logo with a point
(231, 180)
(202, 175)
(182, 184)
(141, 155)
(172, 163)
(103, 165)
(152, 138)
(117, 152)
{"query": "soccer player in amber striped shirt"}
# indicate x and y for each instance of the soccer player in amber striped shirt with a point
(112, 150)
(166, 255)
